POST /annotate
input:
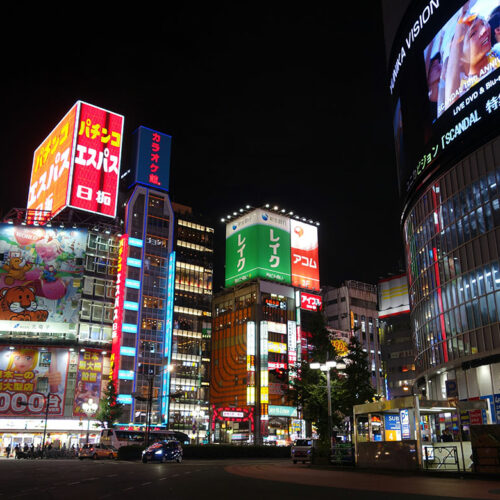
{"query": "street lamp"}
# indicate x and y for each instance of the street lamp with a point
(89, 408)
(326, 367)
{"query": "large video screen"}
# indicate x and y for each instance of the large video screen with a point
(445, 84)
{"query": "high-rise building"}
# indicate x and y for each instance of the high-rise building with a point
(271, 259)
(444, 91)
(352, 307)
(396, 343)
(192, 324)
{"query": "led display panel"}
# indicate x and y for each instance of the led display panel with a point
(78, 164)
(258, 245)
(305, 257)
(444, 73)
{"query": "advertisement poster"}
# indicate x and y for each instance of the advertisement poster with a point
(41, 271)
(258, 245)
(305, 256)
(392, 427)
(88, 380)
(27, 375)
(96, 168)
(51, 170)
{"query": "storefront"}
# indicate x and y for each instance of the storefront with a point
(59, 433)
(412, 433)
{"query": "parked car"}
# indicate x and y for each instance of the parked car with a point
(96, 451)
(163, 451)
(302, 450)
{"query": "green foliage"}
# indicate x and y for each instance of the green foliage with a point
(232, 451)
(109, 410)
(348, 387)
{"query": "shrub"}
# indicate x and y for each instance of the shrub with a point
(132, 452)
(233, 451)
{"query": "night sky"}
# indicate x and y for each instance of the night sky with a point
(264, 105)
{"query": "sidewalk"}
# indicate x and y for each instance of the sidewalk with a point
(395, 482)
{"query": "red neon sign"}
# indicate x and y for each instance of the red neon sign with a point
(96, 166)
(118, 310)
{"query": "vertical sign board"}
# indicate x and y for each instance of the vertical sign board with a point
(258, 245)
(305, 256)
(118, 310)
(78, 164)
(150, 159)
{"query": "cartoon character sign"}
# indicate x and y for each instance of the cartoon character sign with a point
(27, 375)
(41, 272)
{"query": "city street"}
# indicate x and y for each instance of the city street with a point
(261, 479)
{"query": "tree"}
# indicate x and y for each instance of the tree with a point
(109, 410)
(349, 387)
(354, 385)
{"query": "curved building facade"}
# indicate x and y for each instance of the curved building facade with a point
(445, 91)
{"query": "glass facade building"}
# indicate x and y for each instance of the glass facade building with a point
(452, 238)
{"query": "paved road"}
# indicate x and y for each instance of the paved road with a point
(221, 479)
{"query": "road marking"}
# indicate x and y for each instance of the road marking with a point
(128, 489)
(146, 483)
(76, 482)
(163, 478)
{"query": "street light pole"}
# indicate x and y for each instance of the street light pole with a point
(89, 409)
(47, 400)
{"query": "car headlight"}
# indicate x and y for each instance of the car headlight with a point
(159, 452)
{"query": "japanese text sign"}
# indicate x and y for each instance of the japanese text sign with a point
(151, 158)
(78, 164)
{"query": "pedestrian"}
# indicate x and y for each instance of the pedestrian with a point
(25, 448)
(7, 451)
(447, 436)
(16, 451)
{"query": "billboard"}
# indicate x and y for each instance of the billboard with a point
(258, 245)
(41, 271)
(78, 164)
(88, 380)
(27, 375)
(305, 257)
(150, 164)
(393, 296)
(445, 85)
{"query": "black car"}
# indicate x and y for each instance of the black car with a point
(163, 451)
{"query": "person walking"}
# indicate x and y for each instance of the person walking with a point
(7, 451)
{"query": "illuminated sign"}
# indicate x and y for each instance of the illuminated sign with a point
(258, 245)
(393, 296)
(88, 380)
(445, 79)
(51, 170)
(305, 256)
(392, 427)
(26, 375)
(45, 266)
(404, 417)
(310, 302)
(277, 347)
(341, 347)
(78, 164)
(232, 414)
(282, 411)
(150, 159)
(118, 310)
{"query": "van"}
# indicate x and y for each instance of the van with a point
(302, 450)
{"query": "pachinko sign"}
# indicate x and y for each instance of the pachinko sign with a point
(78, 164)
(27, 376)
(305, 257)
(41, 273)
(118, 310)
(88, 380)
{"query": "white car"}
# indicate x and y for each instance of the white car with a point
(302, 450)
